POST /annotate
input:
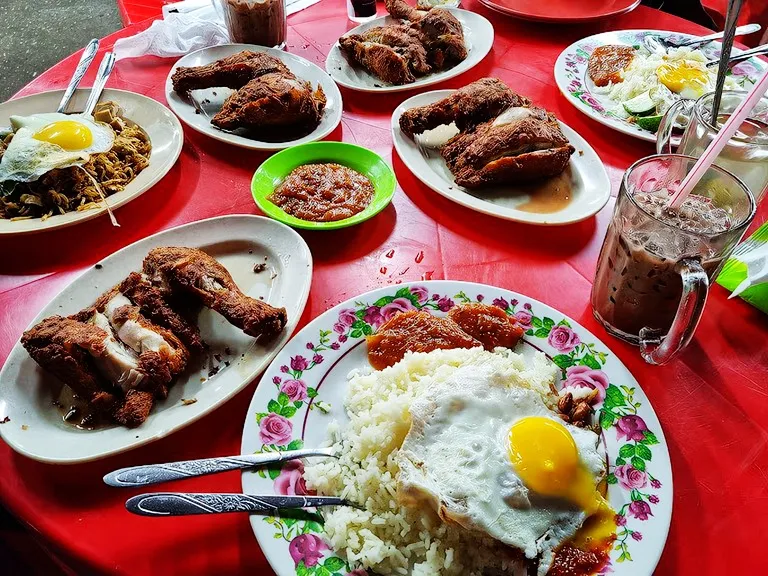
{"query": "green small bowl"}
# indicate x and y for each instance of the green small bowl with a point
(275, 169)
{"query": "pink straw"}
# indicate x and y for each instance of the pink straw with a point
(727, 132)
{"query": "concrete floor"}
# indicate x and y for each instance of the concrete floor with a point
(37, 34)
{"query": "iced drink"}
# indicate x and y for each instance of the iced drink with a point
(637, 284)
(657, 263)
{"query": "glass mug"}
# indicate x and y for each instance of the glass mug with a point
(745, 155)
(261, 22)
(655, 267)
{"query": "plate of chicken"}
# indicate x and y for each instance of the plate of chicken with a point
(253, 97)
(410, 48)
(494, 151)
(153, 337)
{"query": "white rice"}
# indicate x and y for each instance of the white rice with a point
(387, 537)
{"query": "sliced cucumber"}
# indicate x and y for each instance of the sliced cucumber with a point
(642, 105)
(650, 123)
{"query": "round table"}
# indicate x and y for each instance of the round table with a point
(712, 401)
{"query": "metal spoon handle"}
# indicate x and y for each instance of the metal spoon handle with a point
(185, 503)
(89, 53)
(105, 69)
(157, 473)
(747, 54)
(732, 13)
(740, 31)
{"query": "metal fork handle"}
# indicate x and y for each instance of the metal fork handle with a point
(156, 473)
(740, 31)
(105, 69)
(746, 55)
(186, 503)
(89, 53)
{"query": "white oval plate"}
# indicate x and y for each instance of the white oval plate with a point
(209, 101)
(574, 82)
(162, 127)
(332, 345)
(478, 36)
(590, 185)
(36, 428)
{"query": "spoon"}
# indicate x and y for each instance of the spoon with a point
(731, 15)
(105, 69)
(188, 503)
(89, 53)
(658, 44)
(746, 55)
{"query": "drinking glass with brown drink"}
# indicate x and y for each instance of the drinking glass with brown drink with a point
(656, 263)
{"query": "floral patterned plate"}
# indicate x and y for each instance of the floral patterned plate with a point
(303, 391)
(572, 79)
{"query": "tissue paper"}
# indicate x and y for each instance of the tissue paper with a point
(176, 35)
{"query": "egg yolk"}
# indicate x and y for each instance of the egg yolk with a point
(67, 134)
(546, 459)
(681, 76)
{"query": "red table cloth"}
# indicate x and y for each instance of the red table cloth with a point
(712, 401)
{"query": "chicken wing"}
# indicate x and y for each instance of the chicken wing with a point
(474, 104)
(277, 99)
(232, 72)
(439, 30)
(393, 53)
(198, 274)
(67, 348)
(521, 144)
(153, 304)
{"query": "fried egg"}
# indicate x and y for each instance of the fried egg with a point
(684, 77)
(42, 142)
(496, 459)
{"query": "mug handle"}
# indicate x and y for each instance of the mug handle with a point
(657, 349)
(664, 133)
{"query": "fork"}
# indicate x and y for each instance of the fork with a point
(150, 474)
(658, 44)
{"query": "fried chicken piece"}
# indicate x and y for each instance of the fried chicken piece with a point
(277, 99)
(159, 354)
(404, 11)
(474, 104)
(134, 409)
(200, 275)
(414, 331)
(439, 30)
(393, 53)
(66, 348)
(154, 305)
(232, 72)
(521, 144)
(488, 324)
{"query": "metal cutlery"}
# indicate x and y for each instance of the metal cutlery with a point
(746, 55)
(150, 474)
(731, 15)
(105, 69)
(185, 504)
(89, 53)
(657, 44)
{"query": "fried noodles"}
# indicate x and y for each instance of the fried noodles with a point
(72, 189)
